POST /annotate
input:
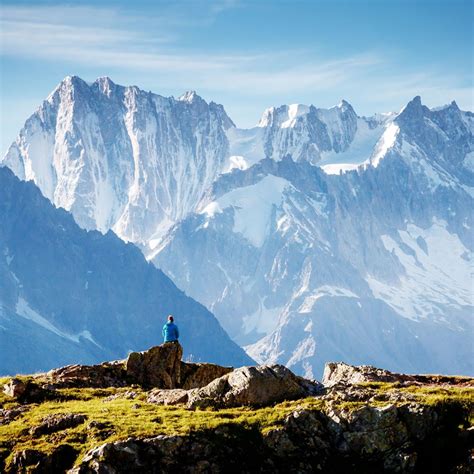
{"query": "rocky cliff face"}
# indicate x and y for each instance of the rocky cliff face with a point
(364, 420)
(121, 158)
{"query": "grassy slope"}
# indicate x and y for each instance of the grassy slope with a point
(123, 417)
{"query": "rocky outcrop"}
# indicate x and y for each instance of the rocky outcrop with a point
(59, 422)
(160, 366)
(246, 386)
(107, 374)
(8, 415)
(176, 396)
(199, 375)
(25, 391)
(255, 386)
(224, 451)
(371, 440)
(406, 424)
(32, 460)
(14, 388)
(342, 373)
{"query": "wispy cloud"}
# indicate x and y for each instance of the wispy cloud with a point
(219, 6)
(108, 38)
(105, 40)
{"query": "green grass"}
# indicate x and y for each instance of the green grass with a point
(428, 394)
(123, 418)
(434, 395)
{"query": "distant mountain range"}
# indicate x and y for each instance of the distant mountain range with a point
(71, 296)
(317, 235)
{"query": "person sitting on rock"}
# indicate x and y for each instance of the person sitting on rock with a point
(170, 330)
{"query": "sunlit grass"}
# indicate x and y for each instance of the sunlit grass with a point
(116, 417)
(124, 418)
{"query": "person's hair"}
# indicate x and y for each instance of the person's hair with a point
(170, 318)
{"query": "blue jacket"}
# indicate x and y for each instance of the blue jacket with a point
(170, 332)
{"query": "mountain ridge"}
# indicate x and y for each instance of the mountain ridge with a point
(68, 295)
(322, 211)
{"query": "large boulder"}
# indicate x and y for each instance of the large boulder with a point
(25, 391)
(15, 388)
(175, 396)
(342, 373)
(159, 366)
(199, 375)
(255, 386)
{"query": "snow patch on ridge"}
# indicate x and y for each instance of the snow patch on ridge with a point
(386, 142)
(433, 274)
(24, 310)
(237, 162)
(246, 143)
(252, 207)
(358, 153)
(306, 348)
(468, 161)
(263, 321)
(282, 117)
(326, 290)
(294, 111)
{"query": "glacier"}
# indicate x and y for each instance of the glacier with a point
(316, 235)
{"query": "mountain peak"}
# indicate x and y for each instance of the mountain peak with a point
(413, 111)
(105, 84)
(68, 84)
(453, 106)
(414, 104)
(72, 81)
(284, 116)
(346, 108)
(104, 80)
(344, 104)
(265, 119)
(189, 97)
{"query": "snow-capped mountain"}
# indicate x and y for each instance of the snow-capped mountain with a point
(121, 158)
(70, 296)
(316, 235)
(319, 136)
(371, 266)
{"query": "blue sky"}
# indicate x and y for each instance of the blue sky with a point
(247, 55)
